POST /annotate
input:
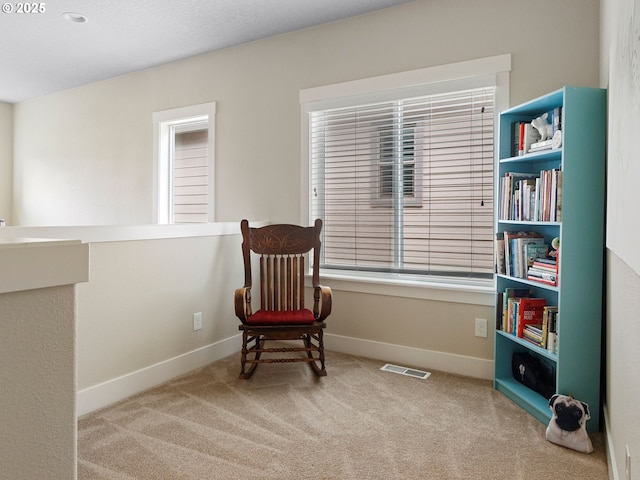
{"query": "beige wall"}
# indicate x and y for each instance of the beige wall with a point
(430, 325)
(622, 377)
(6, 160)
(136, 310)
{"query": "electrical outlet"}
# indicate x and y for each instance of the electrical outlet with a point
(197, 321)
(627, 462)
(481, 327)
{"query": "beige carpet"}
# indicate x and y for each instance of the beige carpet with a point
(356, 423)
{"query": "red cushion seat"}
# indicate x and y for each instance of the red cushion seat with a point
(284, 317)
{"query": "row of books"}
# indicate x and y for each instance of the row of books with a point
(523, 134)
(544, 335)
(544, 270)
(531, 196)
(520, 314)
(526, 139)
(525, 255)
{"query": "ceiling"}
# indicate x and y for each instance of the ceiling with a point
(43, 53)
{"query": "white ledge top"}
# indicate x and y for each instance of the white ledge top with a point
(31, 263)
(34, 242)
(121, 233)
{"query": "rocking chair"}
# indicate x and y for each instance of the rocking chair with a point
(282, 314)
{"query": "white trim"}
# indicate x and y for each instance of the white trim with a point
(611, 457)
(420, 77)
(415, 357)
(162, 120)
(456, 292)
(305, 173)
(396, 286)
(28, 264)
(111, 391)
(124, 233)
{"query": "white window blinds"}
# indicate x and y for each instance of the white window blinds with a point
(406, 186)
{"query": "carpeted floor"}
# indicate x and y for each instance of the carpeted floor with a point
(357, 423)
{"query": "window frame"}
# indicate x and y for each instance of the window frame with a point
(431, 80)
(164, 122)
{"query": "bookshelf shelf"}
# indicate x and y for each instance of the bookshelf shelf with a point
(544, 156)
(531, 283)
(532, 402)
(539, 351)
(522, 222)
(578, 292)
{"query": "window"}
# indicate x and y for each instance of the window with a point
(383, 192)
(404, 180)
(184, 164)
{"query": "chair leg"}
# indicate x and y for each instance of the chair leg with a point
(245, 374)
(318, 370)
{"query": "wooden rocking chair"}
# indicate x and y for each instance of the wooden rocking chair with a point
(282, 314)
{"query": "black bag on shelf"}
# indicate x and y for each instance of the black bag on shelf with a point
(533, 373)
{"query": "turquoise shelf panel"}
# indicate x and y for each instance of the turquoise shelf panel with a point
(532, 402)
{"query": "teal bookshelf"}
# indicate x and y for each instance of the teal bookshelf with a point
(579, 290)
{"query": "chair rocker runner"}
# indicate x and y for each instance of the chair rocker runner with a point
(282, 315)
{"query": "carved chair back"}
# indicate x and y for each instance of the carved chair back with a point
(282, 251)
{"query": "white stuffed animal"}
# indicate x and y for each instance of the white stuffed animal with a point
(544, 128)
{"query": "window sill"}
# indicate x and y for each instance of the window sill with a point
(457, 291)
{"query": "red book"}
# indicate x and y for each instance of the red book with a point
(553, 283)
(521, 140)
(530, 312)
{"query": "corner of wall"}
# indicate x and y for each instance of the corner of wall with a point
(6, 162)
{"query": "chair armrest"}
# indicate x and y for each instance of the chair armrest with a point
(322, 302)
(242, 302)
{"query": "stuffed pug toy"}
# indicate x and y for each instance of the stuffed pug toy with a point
(568, 425)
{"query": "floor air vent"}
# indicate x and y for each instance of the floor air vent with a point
(405, 371)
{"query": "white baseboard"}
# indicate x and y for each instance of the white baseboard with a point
(410, 356)
(611, 458)
(111, 391)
